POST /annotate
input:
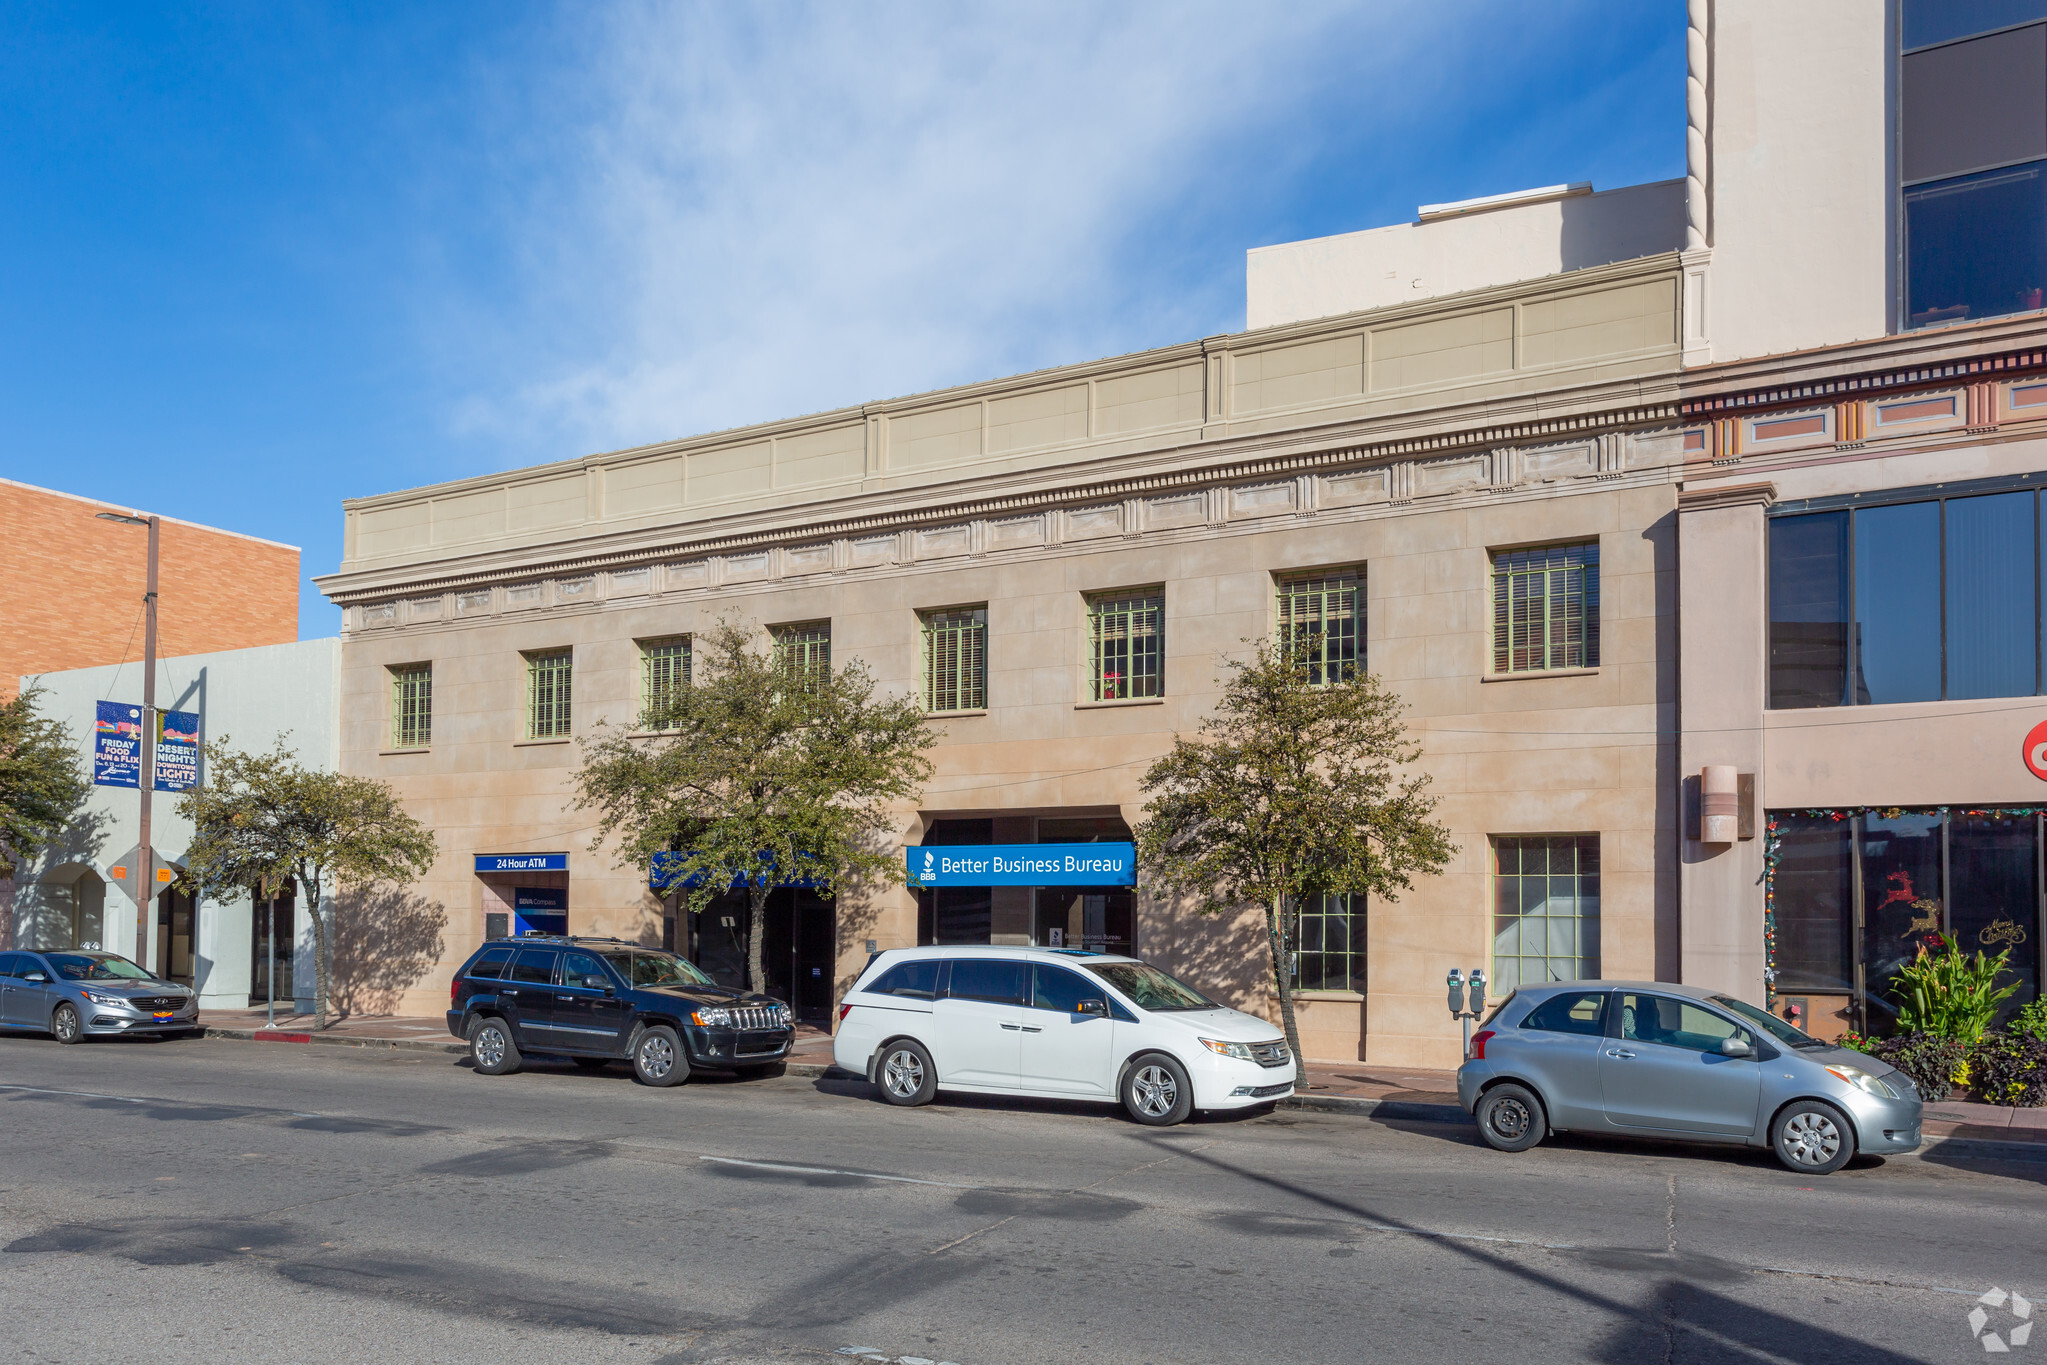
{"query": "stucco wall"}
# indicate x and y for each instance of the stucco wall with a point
(252, 697)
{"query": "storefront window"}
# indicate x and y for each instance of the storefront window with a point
(1329, 938)
(1897, 603)
(1971, 878)
(1545, 909)
(1815, 899)
(1993, 894)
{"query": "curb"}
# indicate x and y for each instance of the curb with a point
(1977, 1149)
(264, 1035)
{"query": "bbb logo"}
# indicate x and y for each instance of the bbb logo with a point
(930, 873)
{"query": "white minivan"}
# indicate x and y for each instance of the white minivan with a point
(1058, 1023)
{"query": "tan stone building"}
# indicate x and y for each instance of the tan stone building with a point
(1561, 466)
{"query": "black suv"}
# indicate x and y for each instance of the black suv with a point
(600, 999)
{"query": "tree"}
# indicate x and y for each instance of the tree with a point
(1290, 790)
(266, 820)
(42, 779)
(758, 775)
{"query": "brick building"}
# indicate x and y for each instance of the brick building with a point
(217, 590)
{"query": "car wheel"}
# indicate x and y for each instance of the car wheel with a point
(1157, 1092)
(491, 1047)
(658, 1058)
(1812, 1137)
(591, 1063)
(906, 1074)
(1510, 1118)
(65, 1025)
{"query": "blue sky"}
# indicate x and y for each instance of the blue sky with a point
(263, 257)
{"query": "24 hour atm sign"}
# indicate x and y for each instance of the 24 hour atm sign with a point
(1022, 865)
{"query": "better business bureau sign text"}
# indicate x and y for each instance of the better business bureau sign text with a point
(1022, 865)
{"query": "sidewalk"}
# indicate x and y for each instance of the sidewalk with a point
(1357, 1088)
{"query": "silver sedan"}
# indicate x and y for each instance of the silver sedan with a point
(1653, 1059)
(80, 994)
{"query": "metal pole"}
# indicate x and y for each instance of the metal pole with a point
(270, 971)
(145, 899)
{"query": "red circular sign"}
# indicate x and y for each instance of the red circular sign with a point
(2035, 752)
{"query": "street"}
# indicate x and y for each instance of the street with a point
(216, 1200)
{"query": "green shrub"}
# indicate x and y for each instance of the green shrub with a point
(1944, 991)
(1932, 1061)
(2010, 1068)
(2031, 1021)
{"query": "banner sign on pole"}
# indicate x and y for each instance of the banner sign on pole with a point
(177, 750)
(1107, 864)
(117, 745)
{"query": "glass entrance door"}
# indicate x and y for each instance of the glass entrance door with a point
(1094, 918)
(274, 931)
(177, 918)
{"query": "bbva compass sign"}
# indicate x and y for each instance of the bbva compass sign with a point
(1022, 865)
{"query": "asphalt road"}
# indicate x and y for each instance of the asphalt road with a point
(225, 1201)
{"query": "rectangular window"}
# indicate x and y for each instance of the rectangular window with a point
(1127, 646)
(1545, 910)
(1546, 608)
(412, 706)
(548, 694)
(1809, 610)
(1969, 877)
(1815, 897)
(1897, 603)
(804, 650)
(956, 659)
(1322, 623)
(1329, 939)
(664, 672)
(1915, 600)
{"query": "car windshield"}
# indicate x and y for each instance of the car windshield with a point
(97, 967)
(1149, 988)
(1769, 1023)
(657, 969)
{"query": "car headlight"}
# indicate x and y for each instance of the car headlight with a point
(711, 1018)
(1241, 1051)
(102, 998)
(1863, 1081)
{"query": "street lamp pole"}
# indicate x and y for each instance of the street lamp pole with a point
(145, 887)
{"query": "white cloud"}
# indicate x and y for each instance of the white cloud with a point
(774, 209)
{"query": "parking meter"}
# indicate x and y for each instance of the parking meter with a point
(1456, 993)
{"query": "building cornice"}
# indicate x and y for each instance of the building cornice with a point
(1998, 347)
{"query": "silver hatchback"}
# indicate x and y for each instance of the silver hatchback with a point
(1652, 1059)
(84, 993)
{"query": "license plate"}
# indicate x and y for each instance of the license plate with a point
(165, 1014)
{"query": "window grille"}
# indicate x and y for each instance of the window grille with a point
(1545, 910)
(1329, 944)
(412, 706)
(956, 659)
(1546, 608)
(664, 672)
(804, 650)
(1127, 646)
(1321, 623)
(548, 694)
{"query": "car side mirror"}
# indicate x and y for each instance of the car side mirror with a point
(34, 976)
(1098, 1008)
(1735, 1047)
